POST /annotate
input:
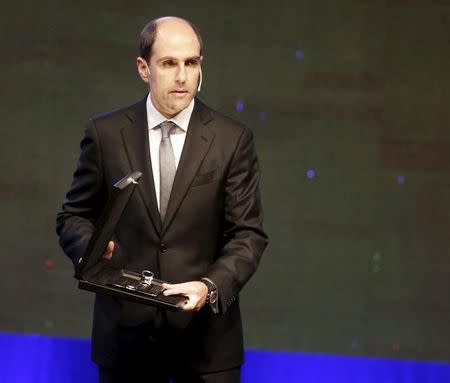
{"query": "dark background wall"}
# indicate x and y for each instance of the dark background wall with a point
(349, 102)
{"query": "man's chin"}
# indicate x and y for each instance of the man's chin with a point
(177, 107)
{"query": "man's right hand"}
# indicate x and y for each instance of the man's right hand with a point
(107, 255)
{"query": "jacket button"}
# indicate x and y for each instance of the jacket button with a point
(163, 247)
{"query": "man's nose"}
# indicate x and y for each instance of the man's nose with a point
(181, 74)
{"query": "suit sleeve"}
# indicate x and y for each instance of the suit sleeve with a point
(244, 237)
(83, 202)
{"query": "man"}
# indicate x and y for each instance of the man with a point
(195, 219)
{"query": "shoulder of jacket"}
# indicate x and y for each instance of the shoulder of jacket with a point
(223, 123)
(117, 114)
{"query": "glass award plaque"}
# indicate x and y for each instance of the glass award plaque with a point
(100, 276)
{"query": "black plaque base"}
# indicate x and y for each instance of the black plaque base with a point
(101, 284)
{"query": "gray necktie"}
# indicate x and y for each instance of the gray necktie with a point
(167, 167)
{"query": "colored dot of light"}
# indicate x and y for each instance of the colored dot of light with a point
(377, 257)
(239, 106)
(49, 323)
(310, 173)
(299, 55)
(401, 180)
(49, 264)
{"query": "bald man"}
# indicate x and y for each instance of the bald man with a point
(195, 219)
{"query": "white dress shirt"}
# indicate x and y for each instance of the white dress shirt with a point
(177, 137)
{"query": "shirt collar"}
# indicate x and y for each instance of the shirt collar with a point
(154, 117)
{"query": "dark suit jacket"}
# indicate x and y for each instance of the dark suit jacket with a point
(213, 226)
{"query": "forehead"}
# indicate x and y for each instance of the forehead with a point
(175, 39)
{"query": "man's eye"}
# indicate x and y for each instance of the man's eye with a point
(169, 63)
(191, 62)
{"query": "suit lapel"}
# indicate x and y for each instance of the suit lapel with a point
(197, 143)
(135, 137)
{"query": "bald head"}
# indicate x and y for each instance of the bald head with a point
(164, 26)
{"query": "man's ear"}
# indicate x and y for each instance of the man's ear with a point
(143, 69)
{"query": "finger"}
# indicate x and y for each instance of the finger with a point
(108, 251)
(188, 306)
(172, 285)
(171, 291)
(193, 304)
(110, 246)
(180, 286)
(182, 305)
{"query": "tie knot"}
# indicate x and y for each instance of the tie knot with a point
(166, 128)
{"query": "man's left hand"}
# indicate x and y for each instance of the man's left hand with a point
(195, 293)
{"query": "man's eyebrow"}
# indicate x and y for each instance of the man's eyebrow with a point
(173, 58)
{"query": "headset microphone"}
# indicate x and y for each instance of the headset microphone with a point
(200, 81)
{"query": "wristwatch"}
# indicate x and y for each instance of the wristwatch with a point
(211, 298)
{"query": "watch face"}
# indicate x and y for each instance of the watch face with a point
(213, 296)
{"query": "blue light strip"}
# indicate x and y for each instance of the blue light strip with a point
(43, 359)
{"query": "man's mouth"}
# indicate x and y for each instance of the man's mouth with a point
(179, 92)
